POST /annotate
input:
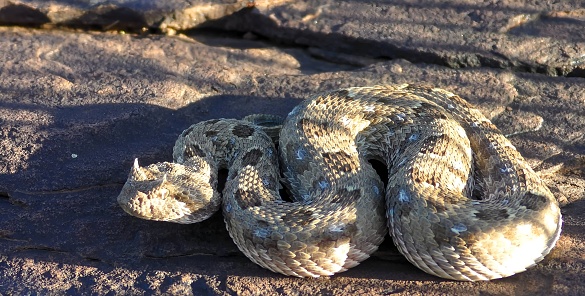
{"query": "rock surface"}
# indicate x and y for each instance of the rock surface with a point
(534, 36)
(77, 106)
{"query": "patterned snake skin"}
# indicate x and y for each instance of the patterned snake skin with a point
(460, 202)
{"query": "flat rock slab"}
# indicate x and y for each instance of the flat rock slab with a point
(76, 108)
(537, 36)
(118, 14)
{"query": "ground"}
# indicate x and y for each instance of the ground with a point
(87, 86)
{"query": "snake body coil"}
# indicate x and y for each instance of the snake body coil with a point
(460, 202)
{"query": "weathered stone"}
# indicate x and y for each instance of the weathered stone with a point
(534, 36)
(119, 14)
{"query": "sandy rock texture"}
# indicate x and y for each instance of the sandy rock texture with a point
(533, 36)
(87, 86)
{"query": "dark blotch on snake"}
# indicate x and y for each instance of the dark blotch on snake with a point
(243, 131)
(252, 157)
(247, 199)
(193, 150)
(340, 95)
(429, 145)
(420, 176)
(340, 161)
(300, 217)
(432, 111)
(314, 128)
(533, 202)
(492, 214)
(210, 134)
(346, 195)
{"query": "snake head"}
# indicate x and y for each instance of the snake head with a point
(168, 192)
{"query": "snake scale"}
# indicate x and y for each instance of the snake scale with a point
(459, 202)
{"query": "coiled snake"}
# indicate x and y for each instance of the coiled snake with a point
(460, 202)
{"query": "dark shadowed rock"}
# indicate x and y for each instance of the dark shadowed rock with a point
(77, 107)
(118, 14)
